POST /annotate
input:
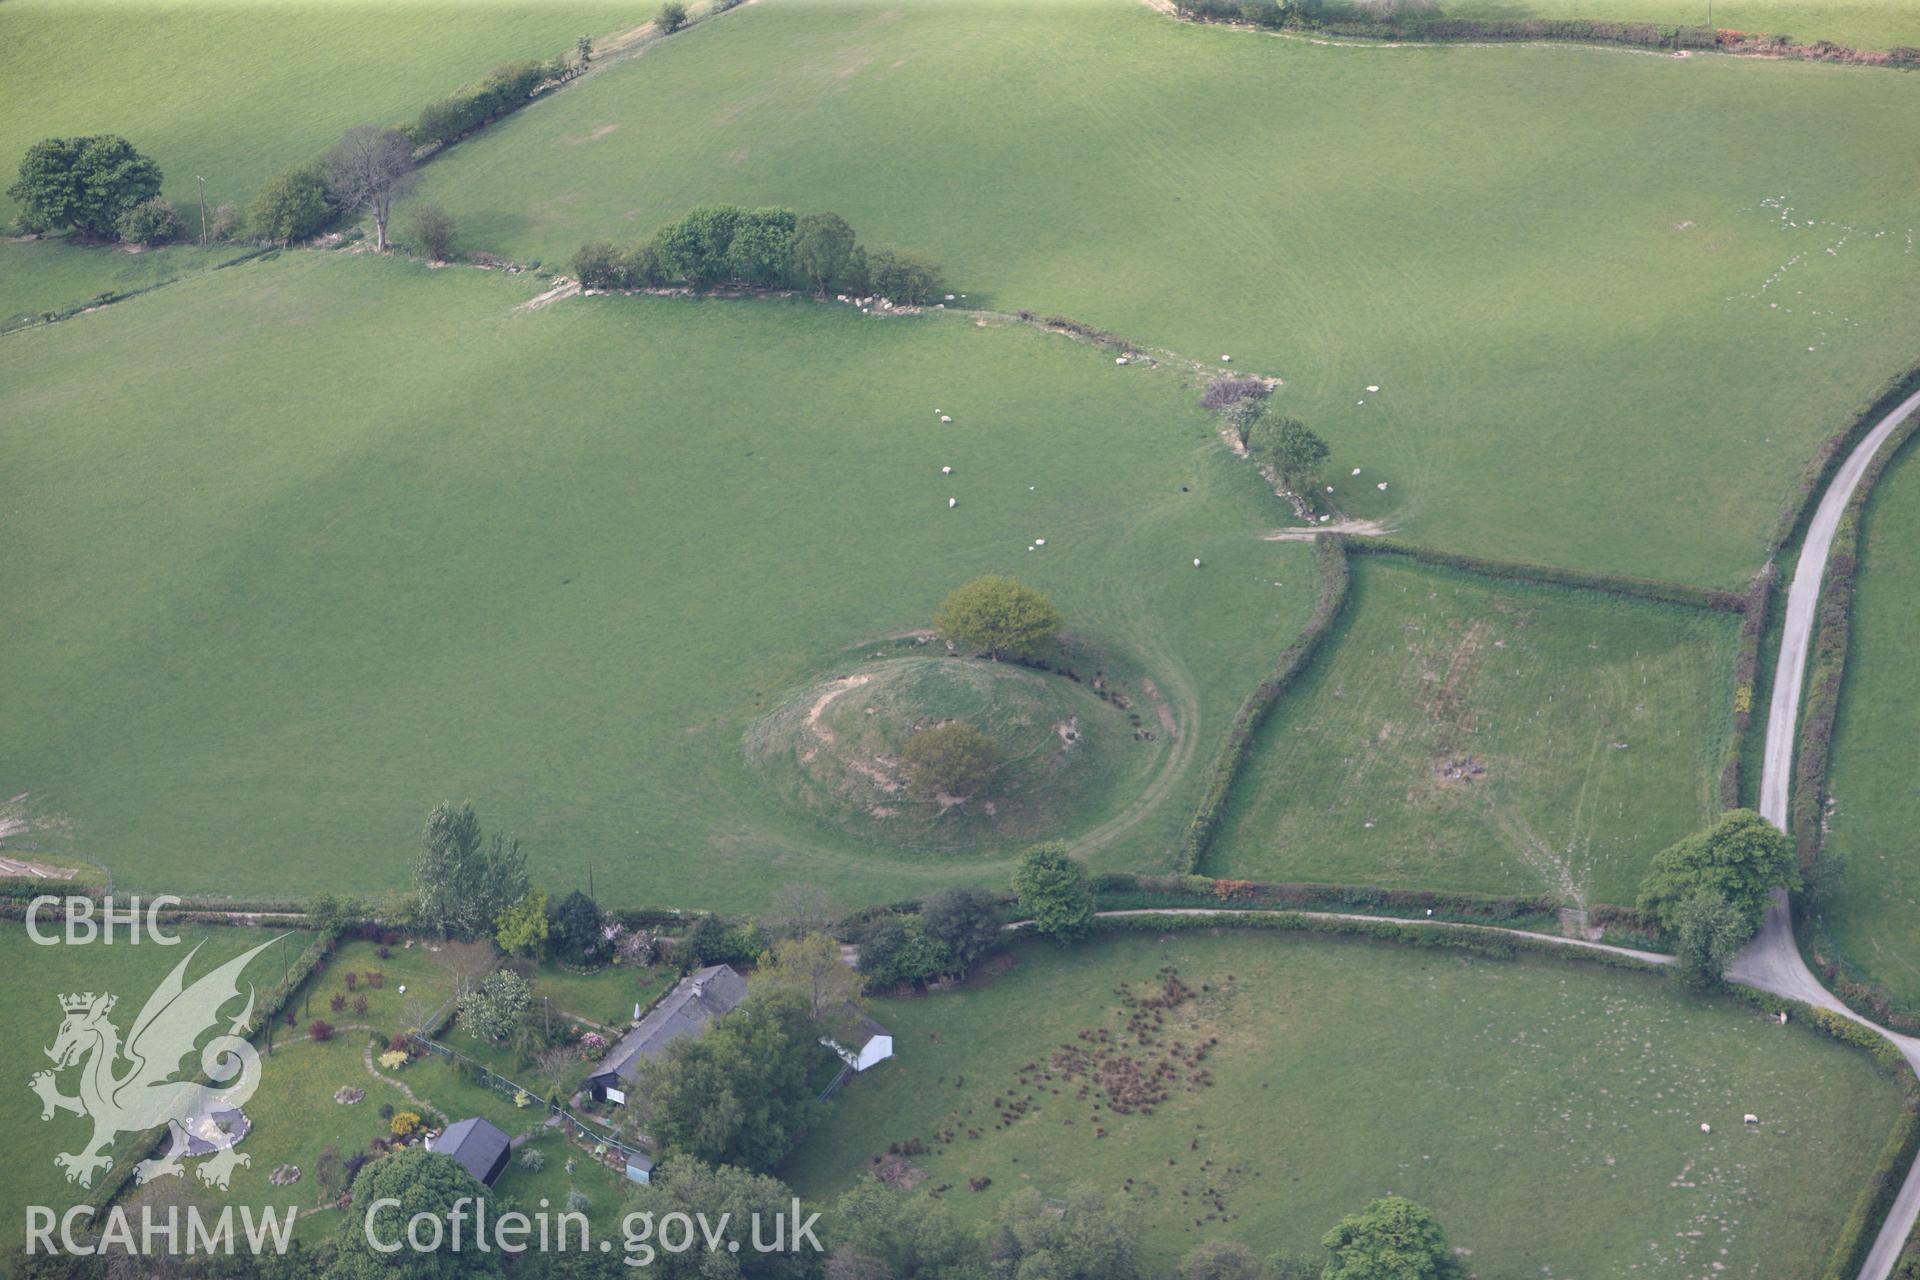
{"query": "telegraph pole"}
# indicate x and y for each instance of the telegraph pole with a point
(203, 185)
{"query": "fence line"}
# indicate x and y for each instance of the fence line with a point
(512, 1088)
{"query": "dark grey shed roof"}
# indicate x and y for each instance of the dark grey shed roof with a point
(477, 1144)
(701, 997)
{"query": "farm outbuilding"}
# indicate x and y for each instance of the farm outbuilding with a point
(479, 1147)
(701, 997)
(861, 1042)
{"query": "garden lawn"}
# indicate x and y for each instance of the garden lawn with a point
(1342, 1071)
(1560, 265)
(557, 562)
(606, 995)
(1461, 733)
(1873, 779)
(29, 1007)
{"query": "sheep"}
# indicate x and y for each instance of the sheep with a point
(1381, 486)
(946, 471)
(1706, 1128)
(1750, 1118)
(952, 503)
(1119, 359)
(1039, 542)
(1373, 388)
(1196, 562)
(1356, 471)
(945, 418)
(1226, 359)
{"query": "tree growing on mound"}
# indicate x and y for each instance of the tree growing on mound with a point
(370, 168)
(1742, 858)
(1290, 447)
(672, 17)
(1000, 616)
(956, 759)
(1391, 1239)
(87, 183)
(291, 206)
(1053, 892)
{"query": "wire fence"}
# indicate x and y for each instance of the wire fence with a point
(588, 1129)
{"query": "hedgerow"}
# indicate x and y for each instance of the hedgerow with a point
(1331, 557)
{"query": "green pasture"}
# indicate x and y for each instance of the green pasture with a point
(556, 562)
(1342, 1071)
(1873, 780)
(1460, 733)
(1560, 265)
(236, 92)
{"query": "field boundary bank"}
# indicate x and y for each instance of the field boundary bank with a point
(40, 320)
(1330, 554)
(1820, 707)
(1637, 37)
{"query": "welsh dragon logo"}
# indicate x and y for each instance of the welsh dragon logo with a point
(130, 1088)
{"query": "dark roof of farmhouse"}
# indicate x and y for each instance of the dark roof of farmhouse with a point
(702, 996)
(475, 1143)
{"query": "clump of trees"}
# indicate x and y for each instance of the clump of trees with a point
(672, 17)
(149, 222)
(952, 931)
(464, 882)
(506, 88)
(1709, 892)
(1000, 617)
(740, 1093)
(89, 184)
(1052, 890)
(717, 245)
(955, 759)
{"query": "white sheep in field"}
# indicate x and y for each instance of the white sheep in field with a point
(952, 503)
(1706, 1128)
(1196, 562)
(945, 418)
(1750, 1118)
(946, 471)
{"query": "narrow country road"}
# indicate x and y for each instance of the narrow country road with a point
(1772, 960)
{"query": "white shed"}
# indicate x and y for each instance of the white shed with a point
(863, 1043)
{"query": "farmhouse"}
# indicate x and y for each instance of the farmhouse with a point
(479, 1147)
(701, 997)
(862, 1043)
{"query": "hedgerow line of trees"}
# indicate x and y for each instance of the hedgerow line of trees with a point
(1422, 20)
(715, 245)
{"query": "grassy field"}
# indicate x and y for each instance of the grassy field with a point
(237, 92)
(558, 562)
(1343, 1071)
(1462, 734)
(1561, 265)
(1872, 780)
(32, 1013)
(50, 276)
(1861, 24)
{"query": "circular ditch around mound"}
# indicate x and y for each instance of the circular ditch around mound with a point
(1066, 750)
